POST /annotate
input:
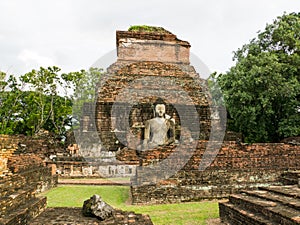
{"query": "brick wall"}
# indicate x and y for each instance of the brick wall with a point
(41, 147)
(145, 46)
(18, 156)
(28, 164)
(19, 203)
(236, 167)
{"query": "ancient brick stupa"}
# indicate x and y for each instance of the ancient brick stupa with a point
(152, 107)
(152, 64)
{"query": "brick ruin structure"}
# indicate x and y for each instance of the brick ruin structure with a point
(22, 176)
(91, 159)
(120, 122)
(152, 66)
(149, 66)
(156, 65)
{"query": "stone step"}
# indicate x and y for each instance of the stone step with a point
(25, 213)
(288, 181)
(287, 190)
(11, 202)
(290, 177)
(234, 215)
(272, 211)
(282, 199)
(292, 174)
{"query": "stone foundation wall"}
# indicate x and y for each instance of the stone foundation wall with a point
(116, 170)
(236, 167)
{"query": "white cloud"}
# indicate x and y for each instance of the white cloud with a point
(75, 33)
(34, 60)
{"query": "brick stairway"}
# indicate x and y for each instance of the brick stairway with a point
(266, 206)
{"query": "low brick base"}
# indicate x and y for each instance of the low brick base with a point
(234, 168)
(197, 185)
(62, 216)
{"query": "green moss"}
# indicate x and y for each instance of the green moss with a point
(146, 28)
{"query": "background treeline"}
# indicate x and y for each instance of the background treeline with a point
(262, 90)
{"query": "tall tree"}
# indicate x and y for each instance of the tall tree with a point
(262, 91)
(48, 109)
(85, 85)
(10, 104)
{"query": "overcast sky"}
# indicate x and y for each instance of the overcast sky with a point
(73, 34)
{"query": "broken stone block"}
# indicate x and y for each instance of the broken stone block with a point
(96, 207)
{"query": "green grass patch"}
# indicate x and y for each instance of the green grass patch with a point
(117, 196)
(74, 195)
(184, 213)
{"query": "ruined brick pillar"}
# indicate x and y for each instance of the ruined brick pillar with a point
(8, 146)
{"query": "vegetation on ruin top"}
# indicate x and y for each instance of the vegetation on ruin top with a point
(146, 28)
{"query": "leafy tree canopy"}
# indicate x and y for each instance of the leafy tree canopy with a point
(43, 99)
(262, 91)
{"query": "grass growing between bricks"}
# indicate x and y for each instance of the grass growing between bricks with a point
(118, 196)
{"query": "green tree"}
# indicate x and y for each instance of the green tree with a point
(3, 83)
(85, 85)
(10, 104)
(43, 99)
(262, 91)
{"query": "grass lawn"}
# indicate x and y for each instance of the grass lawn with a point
(118, 196)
